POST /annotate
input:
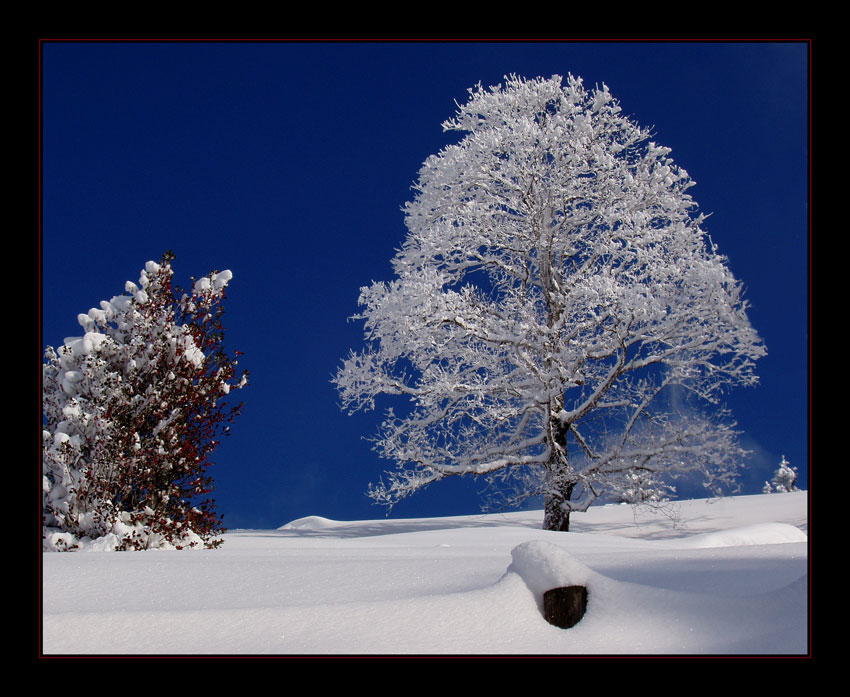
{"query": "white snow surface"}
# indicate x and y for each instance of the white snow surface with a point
(730, 577)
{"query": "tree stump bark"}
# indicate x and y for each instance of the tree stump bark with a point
(564, 607)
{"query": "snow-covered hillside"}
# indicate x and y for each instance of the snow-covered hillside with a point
(731, 577)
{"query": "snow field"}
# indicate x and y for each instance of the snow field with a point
(730, 579)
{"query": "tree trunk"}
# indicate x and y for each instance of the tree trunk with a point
(558, 488)
(554, 516)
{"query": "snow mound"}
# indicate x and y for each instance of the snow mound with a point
(761, 534)
(311, 522)
(544, 566)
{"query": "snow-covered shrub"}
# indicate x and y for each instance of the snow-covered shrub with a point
(131, 414)
(784, 479)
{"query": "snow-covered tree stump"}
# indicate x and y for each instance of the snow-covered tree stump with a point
(564, 607)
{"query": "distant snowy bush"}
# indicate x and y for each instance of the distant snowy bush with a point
(784, 480)
(131, 414)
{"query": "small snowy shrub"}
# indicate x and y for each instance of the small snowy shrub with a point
(784, 480)
(132, 411)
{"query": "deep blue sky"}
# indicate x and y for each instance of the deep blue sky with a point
(288, 164)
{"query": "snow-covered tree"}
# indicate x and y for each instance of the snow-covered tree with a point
(784, 479)
(131, 415)
(558, 316)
